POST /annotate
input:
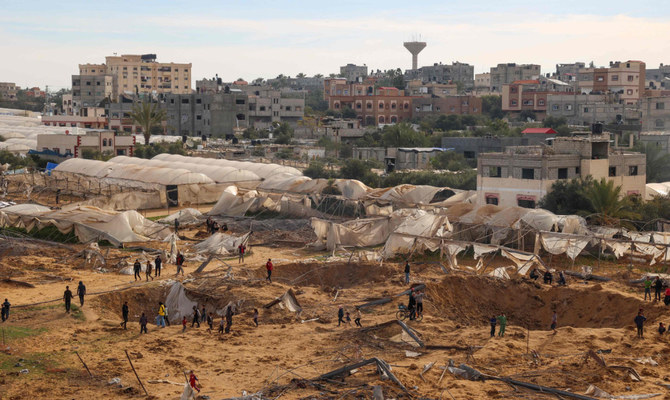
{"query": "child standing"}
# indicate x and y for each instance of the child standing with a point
(183, 324)
(348, 319)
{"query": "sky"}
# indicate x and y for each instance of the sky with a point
(42, 42)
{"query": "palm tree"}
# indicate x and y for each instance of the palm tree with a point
(147, 115)
(657, 162)
(607, 203)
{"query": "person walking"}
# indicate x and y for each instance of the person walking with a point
(658, 287)
(81, 292)
(158, 262)
(143, 324)
(180, 263)
(124, 314)
(347, 318)
(340, 316)
(561, 279)
(196, 317)
(210, 322)
(5, 310)
(136, 268)
(502, 321)
(183, 324)
(661, 328)
(67, 296)
(419, 302)
(148, 271)
(221, 325)
(255, 317)
(161, 314)
(229, 318)
(357, 320)
(407, 272)
(639, 322)
(241, 249)
(193, 382)
(647, 288)
(268, 266)
(554, 321)
(493, 321)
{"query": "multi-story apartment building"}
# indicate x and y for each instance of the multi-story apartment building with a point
(90, 90)
(482, 83)
(430, 89)
(142, 74)
(658, 78)
(215, 115)
(8, 91)
(587, 109)
(655, 113)
(35, 92)
(384, 105)
(353, 72)
(532, 95)
(510, 72)
(624, 78)
(444, 73)
(457, 105)
(87, 117)
(568, 72)
(523, 175)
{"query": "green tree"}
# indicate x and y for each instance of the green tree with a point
(492, 106)
(568, 197)
(361, 170)
(608, 205)
(147, 115)
(317, 170)
(283, 133)
(300, 75)
(403, 135)
(347, 112)
(449, 160)
(658, 163)
(524, 115)
(554, 122)
(149, 151)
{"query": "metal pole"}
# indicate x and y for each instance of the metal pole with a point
(137, 376)
(85, 366)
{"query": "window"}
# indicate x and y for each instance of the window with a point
(600, 79)
(568, 107)
(629, 91)
(368, 106)
(555, 107)
(171, 101)
(528, 102)
(527, 173)
(540, 102)
(660, 123)
(632, 170)
(495, 172)
(97, 83)
(492, 199)
(241, 117)
(88, 83)
(393, 106)
(381, 105)
(615, 77)
(184, 101)
(578, 170)
(104, 142)
(586, 109)
(469, 154)
(612, 171)
(513, 103)
(239, 101)
(198, 117)
(198, 101)
(660, 106)
(562, 173)
(358, 106)
(630, 78)
(525, 203)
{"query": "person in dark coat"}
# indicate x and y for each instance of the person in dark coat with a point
(81, 292)
(67, 296)
(158, 262)
(143, 324)
(124, 313)
(639, 322)
(5, 310)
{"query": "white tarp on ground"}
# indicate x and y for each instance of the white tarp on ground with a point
(288, 300)
(178, 304)
(358, 233)
(523, 261)
(186, 216)
(559, 244)
(500, 273)
(233, 205)
(89, 223)
(221, 243)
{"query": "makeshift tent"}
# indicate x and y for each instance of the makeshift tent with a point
(89, 223)
(186, 216)
(264, 171)
(221, 243)
(288, 300)
(559, 244)
(177, 303)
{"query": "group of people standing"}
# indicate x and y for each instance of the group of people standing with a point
(156, 267)
(657, 285)
(344, 318)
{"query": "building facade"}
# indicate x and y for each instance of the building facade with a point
(569, 72)
(510, 72)
(532, 95)
(91, 90)
(8, 91)
(456, 72)
(87, 117)
(587, 109)
(627, 79)
(66, 145)
(655, 113)
(353, 72)
(523, 175)
(450, 105)
(216, 115)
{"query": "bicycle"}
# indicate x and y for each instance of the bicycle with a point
(404, 313)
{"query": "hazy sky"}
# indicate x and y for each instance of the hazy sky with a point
(42, 42)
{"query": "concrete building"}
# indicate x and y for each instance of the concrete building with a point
(658, 139)
(624, 78)
(457, 72)
(91, 90)
(373, 106)
(657, 79)
(472, 147)
(523, 175)
(510, 72)
(583, 109)
(342, 130)
(67, 107)
(352, 72)
(655, 113)
(67, 145)
(142, 74)
(88, 117)
(8, 91)
(569, 72)
(214, 115)
(458, 105)
(415, 157)
(531, 95)
(416, 87)
(35, 92)
(482, 84)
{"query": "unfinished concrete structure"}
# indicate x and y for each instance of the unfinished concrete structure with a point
(522, 175)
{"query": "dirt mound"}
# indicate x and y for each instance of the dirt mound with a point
(328, 275)
(473, 300)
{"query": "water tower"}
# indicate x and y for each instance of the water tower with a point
(415, 48)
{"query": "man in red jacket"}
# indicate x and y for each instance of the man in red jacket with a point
(268, 266)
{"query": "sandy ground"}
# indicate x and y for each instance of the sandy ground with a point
(278, 355)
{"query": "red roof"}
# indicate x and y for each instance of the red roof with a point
(547, 131)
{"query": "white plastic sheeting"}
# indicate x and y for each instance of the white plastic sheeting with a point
(178, 304)
(559, 244)
(218, 174)
(264, 171)
(89, 223)
(186, 216)
(221, 243)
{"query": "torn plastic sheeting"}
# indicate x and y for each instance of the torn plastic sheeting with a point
(450, 251)
(221, 243)
(651, 250)
(523, 261)
(481, 249)
(177, 303)
(186, 216)
(619, 249)
(661, 237)
(597, 392)
(500, 272)
(288, 300)
(556, 244)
